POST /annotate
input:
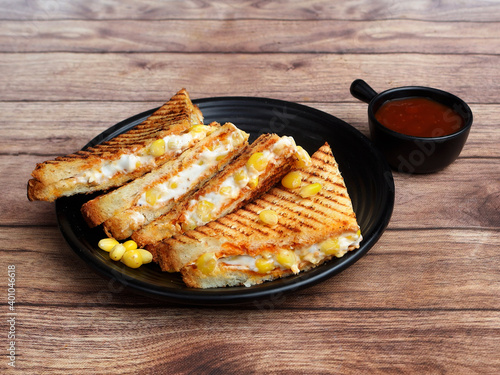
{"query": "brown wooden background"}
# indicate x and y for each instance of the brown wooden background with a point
(425, 299)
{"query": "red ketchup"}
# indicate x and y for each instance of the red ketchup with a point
(419, 117)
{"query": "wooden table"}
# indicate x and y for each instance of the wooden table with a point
(426, 297)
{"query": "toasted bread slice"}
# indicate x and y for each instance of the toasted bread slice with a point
(239, 249)
(255, 171)
(121, 159)
(140, 201)
(157, 192)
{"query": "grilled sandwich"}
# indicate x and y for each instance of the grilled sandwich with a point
(123, 158)
(254, 172)
(128, 208)
(246, 248)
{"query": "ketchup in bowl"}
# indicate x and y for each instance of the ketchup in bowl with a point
(418, 129)
(419, 117)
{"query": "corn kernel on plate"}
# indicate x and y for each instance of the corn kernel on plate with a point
(365, 171)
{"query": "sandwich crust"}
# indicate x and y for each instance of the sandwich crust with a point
(75, 173)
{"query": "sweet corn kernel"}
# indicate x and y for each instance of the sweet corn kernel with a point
(257, 161)
(117, 252)
(130, 245)
(198, 129)
(152, 196)
(264, 265)
(292, 180)
(304, 158)
(157, 148)
(132, 258)
(286, 258)
(174, 185)
(204, 206)
(268, 217)
(206, 263)
(204, 210)
(147, 257)
(226, 190)
(107, 244)
(206, 218)
(138, 164)
(330, 246)
(253, 183)
(241, 177)
(310, 190)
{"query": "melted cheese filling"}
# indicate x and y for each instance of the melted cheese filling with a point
(231, 187)
(186, 179)
(175, 143)
(309, 254)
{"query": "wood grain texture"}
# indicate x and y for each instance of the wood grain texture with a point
(48, 136)
(294, 77)
(425, 298)
(221, 344)
(448, 10)
(436, 281)
(246, 36)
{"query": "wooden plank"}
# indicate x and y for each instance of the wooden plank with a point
(294, 77)
(435, 269)
(166, 340)
(417, 196)
(250, 36)
(463, 195)
(48, 136)
(39, 10)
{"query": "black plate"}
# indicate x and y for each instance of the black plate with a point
(366, 173)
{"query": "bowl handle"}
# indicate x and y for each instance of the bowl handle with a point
(362, 91)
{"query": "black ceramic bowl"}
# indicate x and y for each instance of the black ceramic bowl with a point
(411, 154)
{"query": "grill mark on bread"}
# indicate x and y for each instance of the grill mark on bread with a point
(278, 198)
(286, 218)
(238, 231)
(284, 211)
(228, 276)
(136, 137)
(233, 232)
(248, 220)
(244, 221)
(50, 179)
(302, 214)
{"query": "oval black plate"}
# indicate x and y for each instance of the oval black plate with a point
(366, 173)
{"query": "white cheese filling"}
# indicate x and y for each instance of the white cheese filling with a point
(185, 180)
(310, 254)
(128, 163)
(231, 187)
